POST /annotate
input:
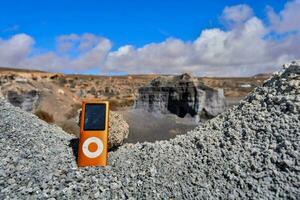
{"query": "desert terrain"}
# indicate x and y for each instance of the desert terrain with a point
(250, 151)
(176, 100)
(56, 98)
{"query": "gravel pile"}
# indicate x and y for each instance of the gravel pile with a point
(249, 152)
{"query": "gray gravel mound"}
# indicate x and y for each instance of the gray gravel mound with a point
(251, 151)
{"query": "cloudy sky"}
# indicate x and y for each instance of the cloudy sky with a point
(219, 38)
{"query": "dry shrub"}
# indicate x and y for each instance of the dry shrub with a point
(73, 112)
(43, 115)
(70, 126)
(62, 81)
(116, 104)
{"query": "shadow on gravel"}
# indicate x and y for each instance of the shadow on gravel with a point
(74, 145)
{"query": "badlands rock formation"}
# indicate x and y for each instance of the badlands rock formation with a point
(119, 90)
(25, 97)
(251, 151)
(41, 92)
(181, 95)
(37, 91)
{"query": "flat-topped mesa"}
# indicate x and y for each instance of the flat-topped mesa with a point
(181, 95)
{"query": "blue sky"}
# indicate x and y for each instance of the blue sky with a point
(124, 22)
(134, 23)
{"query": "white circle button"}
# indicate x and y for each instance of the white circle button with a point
(87, 152)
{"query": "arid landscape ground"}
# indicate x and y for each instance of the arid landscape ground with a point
(250, 151)
(56, 98)
(155, 99)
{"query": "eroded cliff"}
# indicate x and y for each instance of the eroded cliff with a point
(181, 95)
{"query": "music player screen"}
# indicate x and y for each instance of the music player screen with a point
(94, 117)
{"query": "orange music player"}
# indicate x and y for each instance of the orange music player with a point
(93, 133)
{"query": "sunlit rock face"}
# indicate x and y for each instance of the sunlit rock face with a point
(181, 95)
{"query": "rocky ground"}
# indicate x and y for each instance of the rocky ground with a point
(252, 151)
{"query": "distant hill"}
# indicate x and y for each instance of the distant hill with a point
(261, 75)
(20, 70)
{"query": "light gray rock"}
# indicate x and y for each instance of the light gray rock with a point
(118, 130)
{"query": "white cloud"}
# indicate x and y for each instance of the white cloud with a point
(74, 42)
(91, 51)
(15, 49)
(288, 19)
(167, 56)
(75, 52)
(241, 49)
(66, 42)
(12, 28)
(245, 47)
(236, 15)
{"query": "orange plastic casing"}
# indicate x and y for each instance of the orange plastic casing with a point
(88, 139)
